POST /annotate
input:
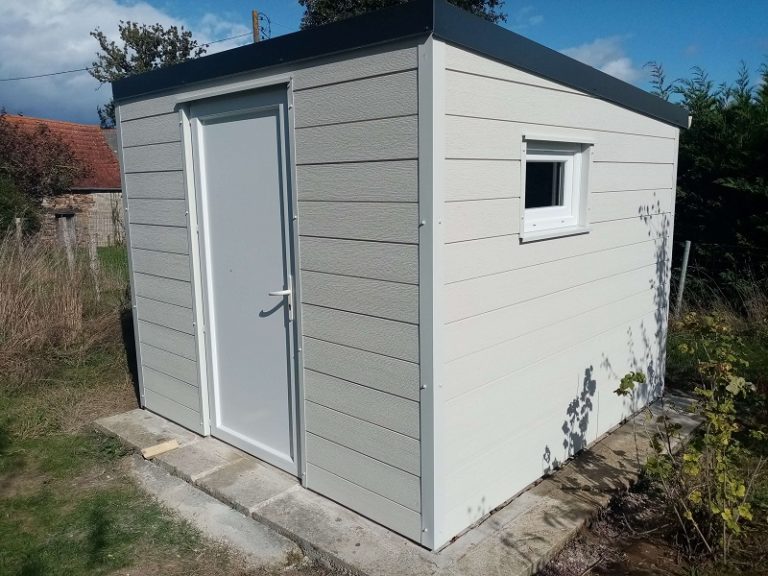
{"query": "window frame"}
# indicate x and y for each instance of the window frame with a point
(570, 217)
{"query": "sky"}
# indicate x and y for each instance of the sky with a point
(44, 36)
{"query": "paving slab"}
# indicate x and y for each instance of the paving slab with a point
(247, 484)
(200, 458)
(140, 429)
(260, 546)
(516, 540)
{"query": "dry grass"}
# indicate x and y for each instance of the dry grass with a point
(47, 305)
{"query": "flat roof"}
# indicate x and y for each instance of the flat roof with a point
(419, 18)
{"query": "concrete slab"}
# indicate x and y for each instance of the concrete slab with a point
(516, 540)
(139, 429)
(200, 458)
(260, 546)
(247, 484)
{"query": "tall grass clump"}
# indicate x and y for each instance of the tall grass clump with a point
(49, 306)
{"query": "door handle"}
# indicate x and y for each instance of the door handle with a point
(288, 295)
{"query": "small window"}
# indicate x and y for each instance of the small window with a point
(554, 188)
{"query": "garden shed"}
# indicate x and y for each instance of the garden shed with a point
(405, 257)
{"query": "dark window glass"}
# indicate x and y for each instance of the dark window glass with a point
(543, 184)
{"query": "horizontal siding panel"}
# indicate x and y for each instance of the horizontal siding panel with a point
(386, 337)
(167, 339)
(376, 260)
(479, 364)
(480, 219)
(173, 411)
(481, 179)
(164, 314)
(360, 221)
(372, 297)
(157, 212)
(464, 61)
(391, 412)
(356, 100)
(468, 137)
(165, 264)
(621, 205)
(374, 475)
(172, 388)
(170, 364)
(394, 181)
(160, 185)
(387, 139)
(390, 514)
(154, 130)
(380, 60)
(481, 419)
(147, 106)
(163, 289)
(383, 373)
(163, 238)
(484, 257)
(481, 295)
(153, 158)
(532, 104)
(486, 330)
(396, 449)
(617, 177)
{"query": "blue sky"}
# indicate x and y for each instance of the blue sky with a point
(617, 37)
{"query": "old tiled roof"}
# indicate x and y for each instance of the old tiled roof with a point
(89, 144)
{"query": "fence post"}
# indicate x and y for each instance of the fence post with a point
(683, 273)
(17, 221)
(94, 261)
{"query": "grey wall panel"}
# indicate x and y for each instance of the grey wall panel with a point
(376, 476)
(162, 238)
(157, 212)
(383, 373)
(153, 158)
(172, 388)
(392, 412)
(164, 289)
(387, 337)
(360, 221)
(153, 130)
(170, 364)
(393, 181)
(164, 264)
(172, 410)
(395, 516)
(396, 449)
(164, 314)
(370, 62)
(390, 300)
(385, 139)
(365, 99)
(377, 260)
(168, 339)
(156, 185)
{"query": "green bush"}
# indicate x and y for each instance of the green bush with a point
(15, 204)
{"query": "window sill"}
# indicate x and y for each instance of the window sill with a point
(553, 233)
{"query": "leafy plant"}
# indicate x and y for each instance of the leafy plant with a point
(143, 48)
(707, 485)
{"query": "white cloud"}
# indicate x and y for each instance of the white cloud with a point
(40, 36)
(608, 55)
(524, 18)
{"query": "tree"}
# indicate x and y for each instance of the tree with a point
(317, 12)
(36, 161)
(143, 48)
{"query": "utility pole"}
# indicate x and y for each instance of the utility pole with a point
(256, 26)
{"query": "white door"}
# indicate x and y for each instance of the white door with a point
(243, 193)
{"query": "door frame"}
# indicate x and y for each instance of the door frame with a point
(197, 249)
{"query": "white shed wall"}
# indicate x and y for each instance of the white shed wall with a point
(355, 142)
(534, 337)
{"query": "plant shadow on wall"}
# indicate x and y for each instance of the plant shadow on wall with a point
(645, 351)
